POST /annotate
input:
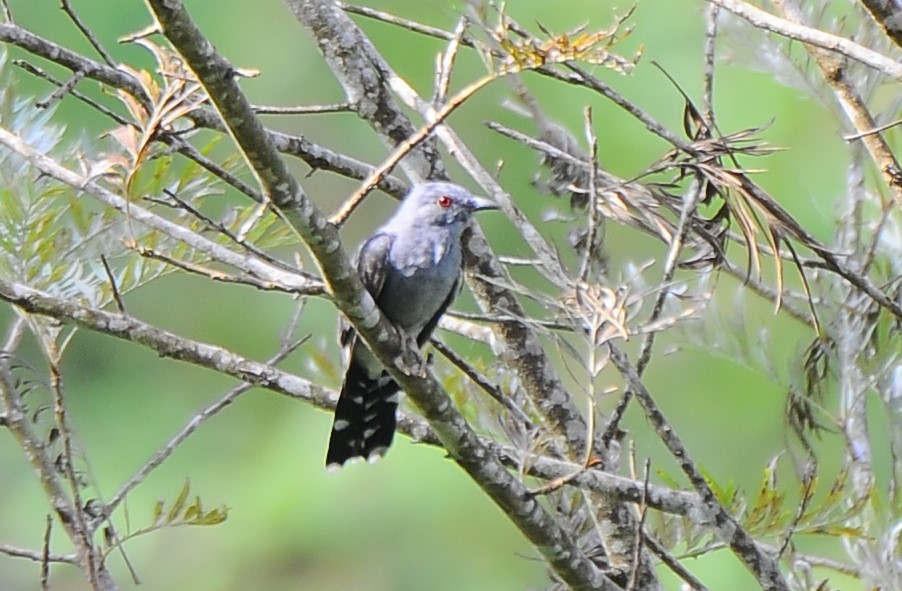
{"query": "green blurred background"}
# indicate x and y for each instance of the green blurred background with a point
(414, 521)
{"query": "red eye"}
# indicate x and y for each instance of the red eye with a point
(445, 201)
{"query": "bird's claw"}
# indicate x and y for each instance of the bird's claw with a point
(409, 361)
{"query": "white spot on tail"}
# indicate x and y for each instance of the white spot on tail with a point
(340, 425)
(376, 455)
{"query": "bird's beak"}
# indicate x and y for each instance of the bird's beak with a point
(480, 204)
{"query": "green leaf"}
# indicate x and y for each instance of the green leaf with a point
(179, 504)
(194, 510)
(158, 512)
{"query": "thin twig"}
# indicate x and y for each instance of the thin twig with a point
(691, 200)
(584, 78)
(445, 63)
(235, 238)
(40, 73)
(673, 564)
(214, 274)
(876, 130)
(45, 554)
(93, 563)
(808, 484)
(640, 531)
(711, 16)
(593, 219)
(64, 88)
(405, 147)
(305, 110)
(482, 382)
(89, 35)
(410, 25)
(38, 556)
(189, 151)
(120, 305)
(191, 427)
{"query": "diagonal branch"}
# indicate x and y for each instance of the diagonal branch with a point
(351, 57)
(16, 35)
(756, 559)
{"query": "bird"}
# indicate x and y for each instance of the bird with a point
(411, 266)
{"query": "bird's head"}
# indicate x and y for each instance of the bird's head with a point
(440, 204)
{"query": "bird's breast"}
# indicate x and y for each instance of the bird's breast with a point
(417, 285)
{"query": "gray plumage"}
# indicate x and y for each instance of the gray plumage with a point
(411, 266)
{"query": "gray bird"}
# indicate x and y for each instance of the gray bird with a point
(411, 266)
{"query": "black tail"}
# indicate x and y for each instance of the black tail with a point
(365, 417)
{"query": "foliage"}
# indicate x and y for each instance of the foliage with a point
(178, 513)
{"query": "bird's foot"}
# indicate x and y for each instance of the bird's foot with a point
(410, 362)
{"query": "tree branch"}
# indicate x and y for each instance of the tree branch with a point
(37, 556)
(350, 56)
(834, 73)
(67, 511)
(756, 559)
(764, 20)
(888, 15)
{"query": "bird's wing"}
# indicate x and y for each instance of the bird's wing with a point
(372, 264)
(430, 326)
